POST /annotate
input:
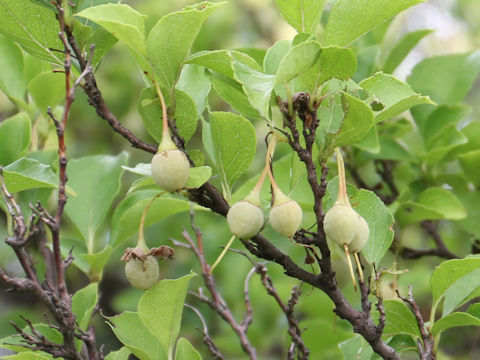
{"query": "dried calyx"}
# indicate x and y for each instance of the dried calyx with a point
(285, 215)
(141, 266)
(344, 225)
(170, 166)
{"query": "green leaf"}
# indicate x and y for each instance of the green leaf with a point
(185, 110)
(78, 249)
(46, 3)
(474, 310)
(439, 77)
(171, 38)
(396, 96)
(472, 132)
(399, 320)
(391, 150)
(357, 122)
(297, 60)
(12, 82)
(401, 49)
(160, 309)
(349, 20)
(331, 113)
(14, 342)
(234, 143)
(448, 272)
(96, 262)
(198, 176)
(121, 354)
(194, 82)
(26, 174)
(356, 348)
(84, 4)
(454, 320)
(54, 82)
(335, 62)
(150, 110)
(29, 355)
(185, 351)
(221, 61)
(432, 204)
(256, 85)
(122, 21)
(132, 333)
(441, 118)
(96, 179)
(93, 34)
(83, 304)
(469, 163)
(461, 291)
(33, 27)
(471, 202)
(274, 56)
(14, 137)
(303, 15)
(375, 213)
(443, 143)
(370, 143)
(127, 215)
(233, 93)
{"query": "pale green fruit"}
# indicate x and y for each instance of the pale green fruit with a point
(361, 237)
(387, 291)
(245, 219)
(286, 217)
(170, 169)
(341, 224)
(142, 274)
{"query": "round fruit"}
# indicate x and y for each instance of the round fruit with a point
(170, 169)
(245, 219)
(361, 237)
(341, 224)
(286, 217)
(142, 274)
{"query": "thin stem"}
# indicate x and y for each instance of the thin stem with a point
(165, 129)
(268, 161)
(342, 196)
(359, 266)
(261, 180)
(141, 240)
(350, 266)
(222, 254)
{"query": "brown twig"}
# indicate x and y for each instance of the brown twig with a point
(216, 302)
(361, 321)
(288, 310)
(207, 339)
(426, 346)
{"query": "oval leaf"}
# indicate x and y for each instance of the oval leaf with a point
(349, 20)
(160, 309)
(171, 39)
(234, 143)
(122, 21)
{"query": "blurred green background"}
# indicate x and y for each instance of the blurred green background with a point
(242, 24)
